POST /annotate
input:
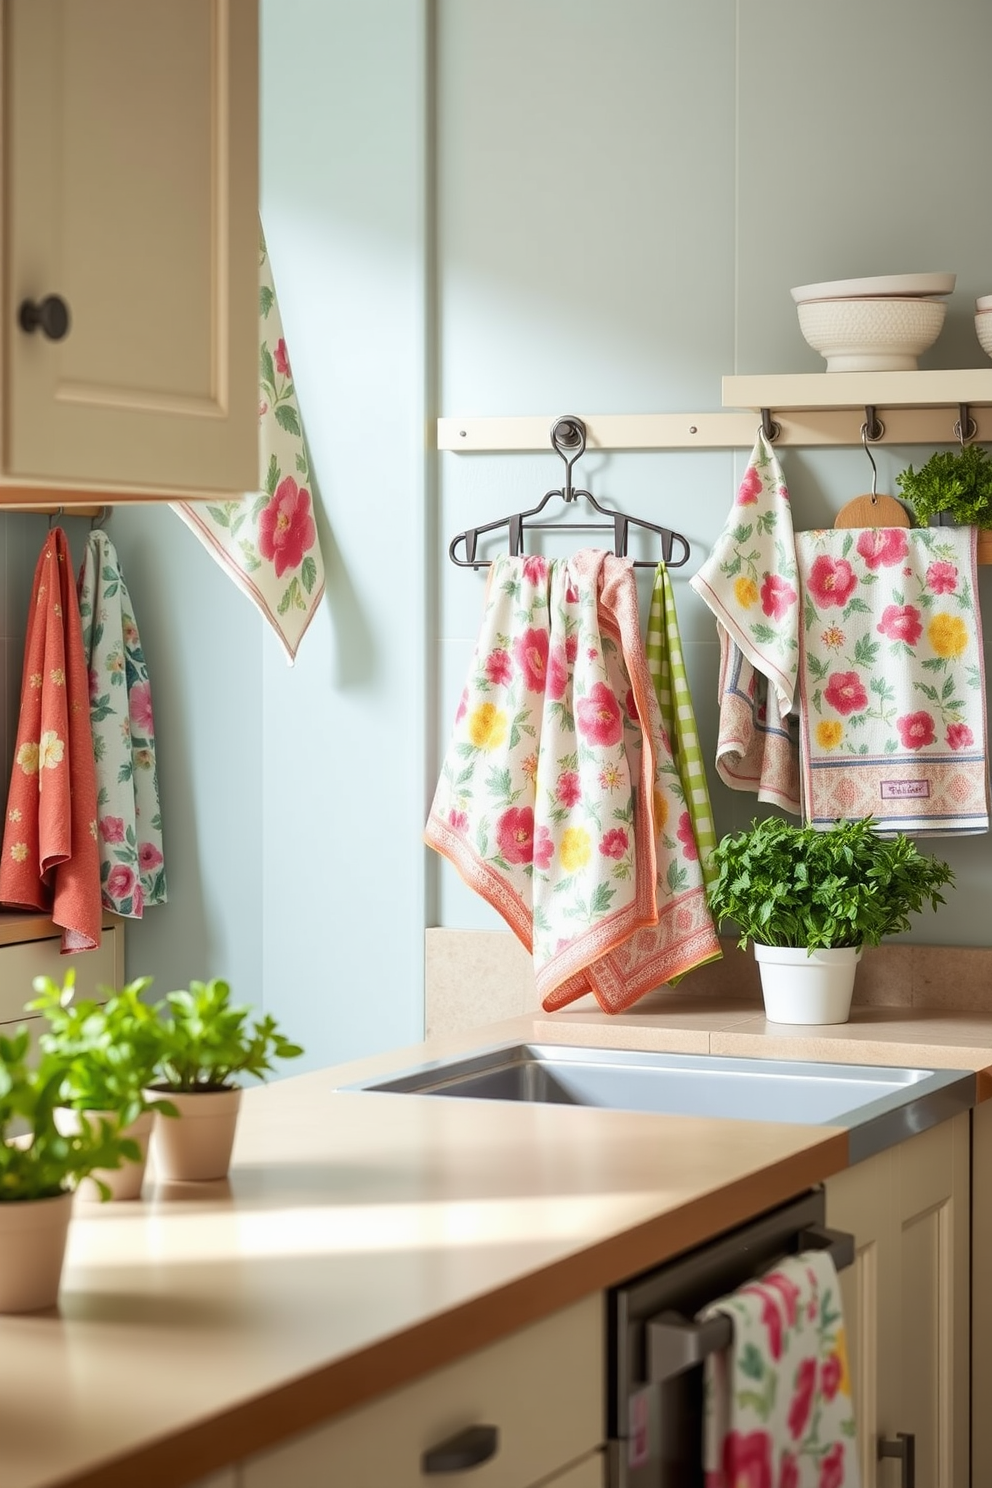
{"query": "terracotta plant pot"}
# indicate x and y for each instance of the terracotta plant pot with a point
(33, 1235)
(124, 1182)
(196, 1145)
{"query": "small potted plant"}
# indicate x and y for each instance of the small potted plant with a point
(40, 1167)
(206, 1043)
(811, 899)
(109, 1052)
(955, 488)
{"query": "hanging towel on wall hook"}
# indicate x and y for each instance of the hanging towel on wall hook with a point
(267, 540)
(568, 440)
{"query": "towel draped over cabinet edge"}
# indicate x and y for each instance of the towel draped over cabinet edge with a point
(559, 801)
(50, 858)
(266, 541)
(129, 822)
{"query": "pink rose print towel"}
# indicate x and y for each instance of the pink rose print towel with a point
(777, 1403)
(893, 679)
(129, 818)
(267, 541)
(559, 801)
(749, 582)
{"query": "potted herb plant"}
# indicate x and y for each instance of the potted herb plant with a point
(206, 1044)
(109, 1052)
(40, 1167)
(955, 486)
(809, 900)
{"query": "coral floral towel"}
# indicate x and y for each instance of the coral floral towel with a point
(749, 582)
(559, 801)
(50, 856)
(777, 1403)
(267, 541)
(132, 867)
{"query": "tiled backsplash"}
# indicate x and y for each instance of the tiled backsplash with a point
(475, 977)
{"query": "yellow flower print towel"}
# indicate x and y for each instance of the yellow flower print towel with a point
(267, 541)
(559, 801)
(749, 582)
(50, 859)
(777, 1403)
(893, 679)
(129, 820)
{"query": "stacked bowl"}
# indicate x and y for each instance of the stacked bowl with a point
(874, 325)
(983, 323)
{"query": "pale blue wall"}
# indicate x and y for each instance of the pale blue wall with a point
(625, 192)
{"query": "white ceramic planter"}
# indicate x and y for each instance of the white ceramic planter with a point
(33, 1234)
(124, 1182)
(801, 988)
(196, 1145)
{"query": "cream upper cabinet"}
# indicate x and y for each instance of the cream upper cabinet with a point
(906, 1303)
(131, 199)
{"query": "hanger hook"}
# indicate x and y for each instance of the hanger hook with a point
(965, 428)
(871, 461)
(769, 427)
(568, 439)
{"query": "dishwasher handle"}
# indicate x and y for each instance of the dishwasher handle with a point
(674, 1344)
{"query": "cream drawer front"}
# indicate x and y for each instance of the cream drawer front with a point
(542, 1387)
(589, 1473)
(21, 963)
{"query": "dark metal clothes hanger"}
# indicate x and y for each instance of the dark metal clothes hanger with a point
(568, 440)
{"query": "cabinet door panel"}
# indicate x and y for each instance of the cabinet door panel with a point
(21, 963)
(132, 194)
(542, 1387)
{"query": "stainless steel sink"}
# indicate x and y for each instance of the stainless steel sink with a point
(879, 1105)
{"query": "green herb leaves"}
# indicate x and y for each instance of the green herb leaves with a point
(786, 885)
(958, 482)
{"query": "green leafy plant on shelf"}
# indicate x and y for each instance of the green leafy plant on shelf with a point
(798, 886)
(957, 483)
(108, 1051)
(206, 1042)
(37, 1161)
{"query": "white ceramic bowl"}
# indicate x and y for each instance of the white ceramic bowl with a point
(903, 285)
(869, 335)
(984, 302)
(983, 329)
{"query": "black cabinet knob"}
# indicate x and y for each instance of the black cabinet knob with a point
(469, 1448)
(50, 315)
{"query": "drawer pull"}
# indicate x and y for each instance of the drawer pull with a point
(904, 1447)
(467, 1449)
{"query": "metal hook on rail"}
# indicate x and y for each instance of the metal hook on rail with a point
(872, 429)
(769, 427)
(965, 428)
(871, 461)
(568, 439)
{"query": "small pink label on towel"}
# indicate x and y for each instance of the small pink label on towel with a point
(901, 790)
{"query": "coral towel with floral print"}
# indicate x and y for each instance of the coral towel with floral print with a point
(559, 801)
(129, 819)
(892, 679)
(50, 857)
(777, 1403)
(749, 582)
(267, 541)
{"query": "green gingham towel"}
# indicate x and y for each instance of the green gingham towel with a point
(664, 653)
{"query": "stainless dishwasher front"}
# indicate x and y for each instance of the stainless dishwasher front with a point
(656, 1350)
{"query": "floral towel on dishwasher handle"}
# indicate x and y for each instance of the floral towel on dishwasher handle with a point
(267, 540)
(777, 1403)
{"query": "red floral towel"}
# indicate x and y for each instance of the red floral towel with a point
(50, 857)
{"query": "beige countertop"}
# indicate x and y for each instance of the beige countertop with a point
(363, 1240)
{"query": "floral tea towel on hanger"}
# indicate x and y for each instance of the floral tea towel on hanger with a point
(267, 540)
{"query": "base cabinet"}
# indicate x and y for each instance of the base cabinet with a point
(906, 1303)
(542, 1388)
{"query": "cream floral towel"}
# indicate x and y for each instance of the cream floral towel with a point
(893, 679)
(559, 801)
(129, 818)
(267, 541)
(750, 584)
(777, 1403)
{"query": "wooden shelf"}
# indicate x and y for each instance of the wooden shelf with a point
(857, 390)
